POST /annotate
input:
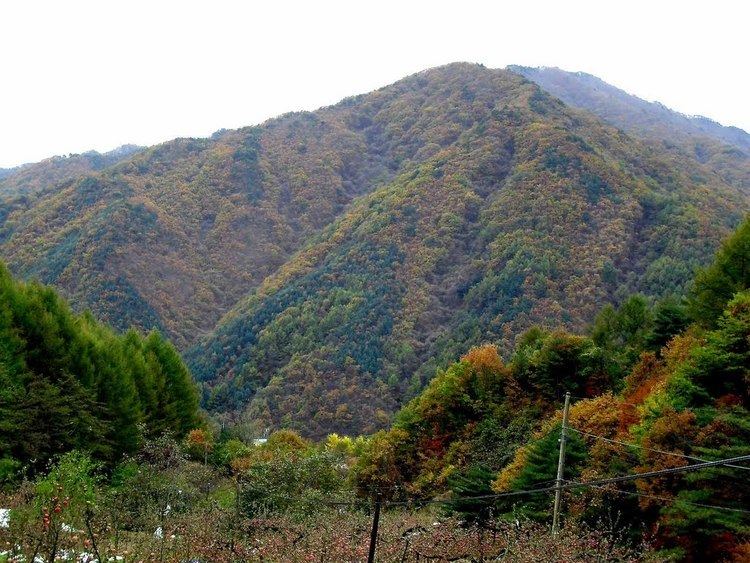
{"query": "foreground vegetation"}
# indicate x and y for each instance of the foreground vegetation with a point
(69, 382)
(160, 505)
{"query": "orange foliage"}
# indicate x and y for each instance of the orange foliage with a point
(509, 474)
(484, 358)
(647, 374)
(198, 438)
(597, 416)
(668, 433)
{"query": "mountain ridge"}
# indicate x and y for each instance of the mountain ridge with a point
(726, 149)
(554, 79)
(25, 180)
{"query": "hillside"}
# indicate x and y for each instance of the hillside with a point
(526, 213)
(29, 179)
(724, 149)
(173, 236)
(355, 248)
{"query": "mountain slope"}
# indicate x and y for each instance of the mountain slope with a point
(31, 178)
(532, 214)
(725, 149)
(360, 245)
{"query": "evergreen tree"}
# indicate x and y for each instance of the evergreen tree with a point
(68, 382)
(730, 272)
(670, 319)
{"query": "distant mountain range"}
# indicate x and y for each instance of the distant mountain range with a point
(317, 268)
(28, 179)
(725, 149)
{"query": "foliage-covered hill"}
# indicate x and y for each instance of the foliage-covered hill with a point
(522, 211)
(175, 235)
(67, 381)
(31, 178)
(724, 149)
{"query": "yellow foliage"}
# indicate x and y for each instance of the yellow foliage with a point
(286, 440)
(339, 444)
(511, 472)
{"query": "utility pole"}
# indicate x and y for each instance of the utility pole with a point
(374, 531)
(560, 467)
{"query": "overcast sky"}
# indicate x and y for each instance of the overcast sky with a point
(94, 75)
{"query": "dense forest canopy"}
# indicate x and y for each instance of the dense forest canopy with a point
(347, 253)
(654, 387)
(726, 150)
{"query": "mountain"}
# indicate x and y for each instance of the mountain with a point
(31, 178)
(528, 213)
(725, 149)
(175, 235)
(347, 252)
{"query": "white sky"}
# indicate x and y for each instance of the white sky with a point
(78, 75)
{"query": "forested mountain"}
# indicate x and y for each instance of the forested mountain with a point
(355, 248)
(725, 149)
(28, 179)
(523, 212)
(175, 235)
(67, 381)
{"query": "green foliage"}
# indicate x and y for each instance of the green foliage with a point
(720, 367)
(728, 274)
(9, 471)
(540, 470)
(623, 333)
(474, 482)
(292, 483)
(547, 365)
(357, 249)
(68, 382)
(500, 214)
(670, 319)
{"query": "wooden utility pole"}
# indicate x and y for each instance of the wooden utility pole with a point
(374, 531)
(560, 467)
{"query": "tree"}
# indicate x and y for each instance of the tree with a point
(670, 319)
(729, 273)
(199, 444)
(473, 482)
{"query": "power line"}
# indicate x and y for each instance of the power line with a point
(655, 497)
(475, 498)
(566, 485)
(592, 398)
(660, 472)
(692, 458)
